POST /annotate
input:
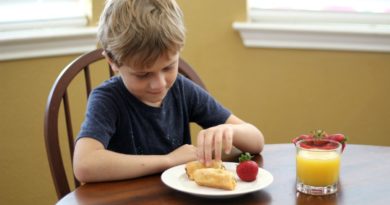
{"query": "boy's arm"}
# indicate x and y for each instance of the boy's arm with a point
(93, 163)
(246, 136)
(233, 133)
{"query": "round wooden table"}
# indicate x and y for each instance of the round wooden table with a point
(364, 179)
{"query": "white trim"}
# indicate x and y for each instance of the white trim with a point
(47, 23)
(314, 37)
(46, 42)
(274, 28)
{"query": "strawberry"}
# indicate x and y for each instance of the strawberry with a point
(339, 138)
(301, 137)
(307, 145)
(247, 169)
(316, 134)
(329, 145)
(315, 140)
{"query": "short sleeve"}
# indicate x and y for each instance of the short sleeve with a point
(100, 117)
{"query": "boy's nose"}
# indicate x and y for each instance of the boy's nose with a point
(158, 82)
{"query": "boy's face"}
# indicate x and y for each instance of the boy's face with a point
(150, 85)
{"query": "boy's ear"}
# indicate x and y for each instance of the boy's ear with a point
(113, 65)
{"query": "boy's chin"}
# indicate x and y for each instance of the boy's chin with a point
(154, 103)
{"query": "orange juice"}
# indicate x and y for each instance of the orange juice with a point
(318, 168)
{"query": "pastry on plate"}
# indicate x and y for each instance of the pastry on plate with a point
(216, 178)
(195, 165)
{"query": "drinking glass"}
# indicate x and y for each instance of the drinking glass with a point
(318, 166)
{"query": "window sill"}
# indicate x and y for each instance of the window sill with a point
(315, 36)
(34, 43)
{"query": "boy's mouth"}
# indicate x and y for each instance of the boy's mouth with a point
(157, 92)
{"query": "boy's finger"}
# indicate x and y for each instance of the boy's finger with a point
(208, 143)
(200, 149)
(218, 145)
(228, 140)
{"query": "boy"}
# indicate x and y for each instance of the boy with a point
(137, 123)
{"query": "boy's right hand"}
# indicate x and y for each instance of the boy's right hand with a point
(212, 141)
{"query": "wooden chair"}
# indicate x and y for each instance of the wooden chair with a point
(59, 97)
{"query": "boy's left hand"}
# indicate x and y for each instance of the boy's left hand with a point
(213, 139)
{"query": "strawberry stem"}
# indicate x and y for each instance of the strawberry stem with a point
(318, 133)
(245, 157)
(345, 138)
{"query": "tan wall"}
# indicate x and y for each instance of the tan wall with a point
(284, 92)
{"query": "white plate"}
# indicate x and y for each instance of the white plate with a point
(177, 179)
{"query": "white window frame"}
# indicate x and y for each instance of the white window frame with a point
(45, 31)
(272, 28)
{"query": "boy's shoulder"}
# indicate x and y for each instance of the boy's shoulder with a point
(184, 81)
(113, 82)
(109, 86)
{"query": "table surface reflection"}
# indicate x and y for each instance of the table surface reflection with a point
(363, 180)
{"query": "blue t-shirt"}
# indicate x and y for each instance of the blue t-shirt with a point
(124, 124)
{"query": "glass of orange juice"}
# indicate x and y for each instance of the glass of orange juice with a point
(318, 166)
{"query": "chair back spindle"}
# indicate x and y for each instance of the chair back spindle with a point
(87, 77)
(110, 70)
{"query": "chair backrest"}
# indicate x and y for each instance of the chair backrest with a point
(59, 97)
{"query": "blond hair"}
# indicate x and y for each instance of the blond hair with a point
(139, 31)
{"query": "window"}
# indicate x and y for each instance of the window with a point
(26, 14)
(345, 6)
(35, 28)
(361, 25)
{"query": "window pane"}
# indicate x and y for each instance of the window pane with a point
(33, 10)
(364, 6)
(25, 14)
(31, 1)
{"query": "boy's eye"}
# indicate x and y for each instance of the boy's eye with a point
(168, 68)
(142, 75)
